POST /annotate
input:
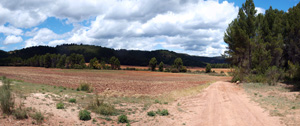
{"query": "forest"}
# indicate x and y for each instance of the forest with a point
(126, 57)
(264, 47)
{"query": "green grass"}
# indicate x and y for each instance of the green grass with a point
(60, 105)
(151, 113)
(72, 100)
(84, 115)
(123, 119)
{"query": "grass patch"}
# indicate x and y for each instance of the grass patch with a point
(60, 105)
(271, 98)
(6, 98)
(72, 100)
(163, 112)
(84, 115)
(38, 117)
(123, 119)
(98, 106)
(151, 113)
(20, 113)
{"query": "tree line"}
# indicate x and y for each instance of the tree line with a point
(264, 47)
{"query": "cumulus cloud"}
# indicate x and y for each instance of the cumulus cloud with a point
(260, 10)
(10, 30)
(191, 26)
(12, 39)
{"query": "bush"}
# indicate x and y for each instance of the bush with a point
(6, 97)
(208, 68)
(84, 87)
(38, 116)
(164, 112)
(123, 119)
(60, 105)
(174, 70)
(151, 113)
(105, 109)
(161, 66)
(238, 74)
(72, 100)
(102, 108)
(20, 113)
(84, 115)
(183, 69)
(256, 78)
(273, 75)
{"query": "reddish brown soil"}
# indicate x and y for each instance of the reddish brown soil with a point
(129, 82)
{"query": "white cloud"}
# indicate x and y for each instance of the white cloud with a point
(191, 26)
(12, 39)
(41, 37)
(260, 10)
(10, 30)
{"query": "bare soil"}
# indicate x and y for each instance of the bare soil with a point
(127, 82)
(221, 104)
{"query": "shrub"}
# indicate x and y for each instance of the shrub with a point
(183, 69)
(161, 66)
(84, 87)
(151, 113)
(20, 113)
(152, 63)
(84, 115)
(273, 75)
(102, 108)
(60, 105)
(167, 70)
(163, 112)
(38, 116)
(174, 70)
(208, 68)
(123, 119)
(238, 74)
(222, 72)
(6, 98)
(72, 100)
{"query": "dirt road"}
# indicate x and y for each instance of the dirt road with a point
(222, 104)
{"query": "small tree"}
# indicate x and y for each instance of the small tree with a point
(94, 63)
(208, 68)
(112, 62)
(178, 63)
(161, 66)
(47, 60)
(117, 64)
(152, 63)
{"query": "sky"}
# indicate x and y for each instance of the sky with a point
(194, 27)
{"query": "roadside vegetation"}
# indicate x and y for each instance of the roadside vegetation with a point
(262, 47)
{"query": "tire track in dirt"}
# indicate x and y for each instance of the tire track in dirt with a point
(223, 104)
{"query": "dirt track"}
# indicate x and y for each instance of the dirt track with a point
(222, 104)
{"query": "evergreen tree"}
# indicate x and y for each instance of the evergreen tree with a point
(161, 66)
(153, 63)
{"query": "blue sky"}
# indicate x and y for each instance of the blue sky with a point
(186, 26)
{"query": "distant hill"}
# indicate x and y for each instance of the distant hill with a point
(126, 57)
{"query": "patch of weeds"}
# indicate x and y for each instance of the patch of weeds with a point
(38, 117)
(72, 100)
(20, 113)
(165, 103)
(85, 87)
(163, 112)
(157, 101)
(102, 108)
(6, 98)
(151, 113)
(123, 119)
(294, 107)
(84, 115)
(255, 94)
(60, 105)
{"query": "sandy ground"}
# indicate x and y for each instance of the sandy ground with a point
(221, 104)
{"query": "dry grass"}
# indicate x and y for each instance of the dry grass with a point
(278, 100)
